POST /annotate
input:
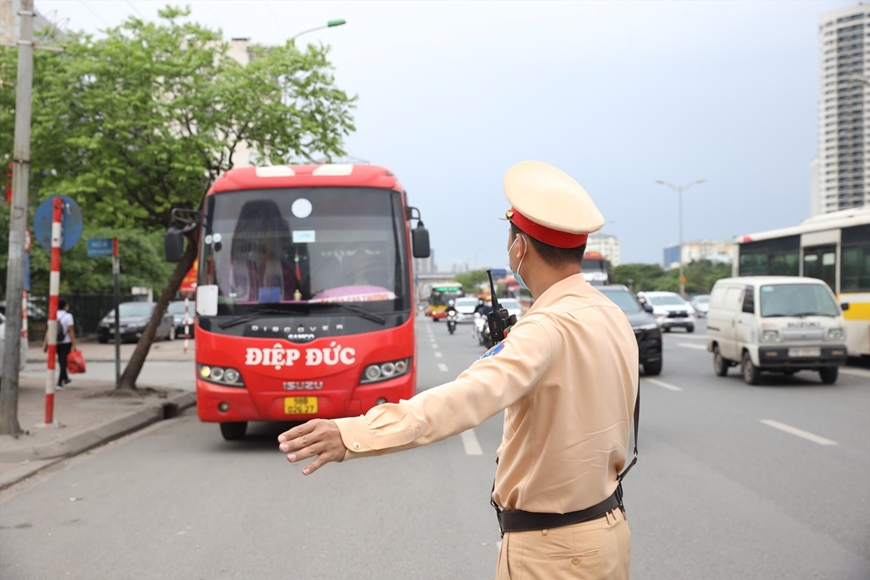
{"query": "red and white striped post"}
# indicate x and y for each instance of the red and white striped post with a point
(53, 291)
(186, 317)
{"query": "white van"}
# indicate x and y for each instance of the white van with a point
(779, 324)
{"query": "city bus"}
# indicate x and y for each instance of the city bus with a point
(304, 295)
(596, 269)
(834, 247)
(440, 295)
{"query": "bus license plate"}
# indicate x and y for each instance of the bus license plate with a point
(300, 405)
(796, 352)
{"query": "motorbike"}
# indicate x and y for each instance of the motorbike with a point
(480, 331)
(452, 315)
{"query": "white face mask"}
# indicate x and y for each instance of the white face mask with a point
(520, 265)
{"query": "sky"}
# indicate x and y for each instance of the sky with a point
(616, 94)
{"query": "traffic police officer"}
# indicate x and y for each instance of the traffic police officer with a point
(566, 377)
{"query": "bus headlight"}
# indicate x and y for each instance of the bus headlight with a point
(770, 336)
(836, 334)
(384, 371)
(227, 377)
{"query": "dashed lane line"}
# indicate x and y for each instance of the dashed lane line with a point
(438, 354)
(798, 432)
(442, 367)
(690, 345)
(469, 441)
(663, 384)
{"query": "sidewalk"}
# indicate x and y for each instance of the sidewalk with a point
(85, 416)
(96, 352)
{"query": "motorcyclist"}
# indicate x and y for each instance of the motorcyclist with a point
(451, 309)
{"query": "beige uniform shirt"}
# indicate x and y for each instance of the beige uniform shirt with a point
(566, 377)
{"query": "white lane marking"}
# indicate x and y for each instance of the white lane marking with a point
(663, 385)
(442, 367)
(798, 432)
(438, 354)
(469, 440)
(498, 545)
(855, 373)
(686, 336)
(695, 346)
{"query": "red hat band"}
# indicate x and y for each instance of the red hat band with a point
(544, 234)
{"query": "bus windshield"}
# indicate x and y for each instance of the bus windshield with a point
(797, 300)
(296, 248)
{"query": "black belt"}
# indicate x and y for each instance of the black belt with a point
(520, 521)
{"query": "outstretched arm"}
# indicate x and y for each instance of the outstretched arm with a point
(489, 386)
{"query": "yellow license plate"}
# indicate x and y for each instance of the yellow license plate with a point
(300, 405)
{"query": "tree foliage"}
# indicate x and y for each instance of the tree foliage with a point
(700, 276)
(143, 120)
(140, 253)
(472, 280)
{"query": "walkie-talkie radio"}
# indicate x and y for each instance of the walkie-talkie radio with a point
(499, 320)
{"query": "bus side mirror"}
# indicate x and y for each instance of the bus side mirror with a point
(173, 244)
(420, 240)
(844, 306)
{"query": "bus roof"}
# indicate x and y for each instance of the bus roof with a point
(285, 176)
(828, 221)
(593, 256)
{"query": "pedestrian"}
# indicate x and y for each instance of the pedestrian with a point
(566, 377)
(66, 340)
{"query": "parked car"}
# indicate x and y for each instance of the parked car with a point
(177, 310)
(781, 324)
(670, 310)
(34, 312)
(646, 330)
(701, 304)
(134, 316)
(22, 359)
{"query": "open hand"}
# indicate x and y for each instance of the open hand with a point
(318, 438)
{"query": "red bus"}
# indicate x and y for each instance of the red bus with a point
(305, 301)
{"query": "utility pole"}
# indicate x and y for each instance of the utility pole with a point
(17, 224)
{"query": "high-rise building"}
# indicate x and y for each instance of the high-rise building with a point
(843, 170)
(606, 245)
(700, 250)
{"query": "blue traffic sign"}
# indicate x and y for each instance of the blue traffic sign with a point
(99, 247)
(71, 223)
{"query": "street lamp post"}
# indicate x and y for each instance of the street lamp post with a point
(330, 24)
(679, 189)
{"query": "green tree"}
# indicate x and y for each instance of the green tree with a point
(700, 276)
(472, 280)
(144, 120)
(79, 273)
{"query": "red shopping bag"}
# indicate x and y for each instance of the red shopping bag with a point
(75, 362)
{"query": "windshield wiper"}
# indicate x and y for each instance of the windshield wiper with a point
(356, 310)
(804, 314)
(257, 312)
(797, 315)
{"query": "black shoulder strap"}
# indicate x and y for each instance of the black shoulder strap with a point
(636, 422)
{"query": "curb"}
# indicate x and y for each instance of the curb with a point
(95, 436)
(42, 361)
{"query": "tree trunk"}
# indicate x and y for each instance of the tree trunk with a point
(137, 361)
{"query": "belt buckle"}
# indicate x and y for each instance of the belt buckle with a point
(498, 516)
